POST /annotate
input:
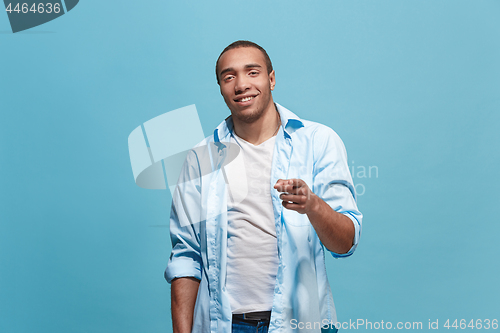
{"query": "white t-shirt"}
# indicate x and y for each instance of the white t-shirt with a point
(252, 252)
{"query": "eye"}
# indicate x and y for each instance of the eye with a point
(228, 78)
(254, 73)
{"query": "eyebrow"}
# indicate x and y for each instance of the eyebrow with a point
(230, 69)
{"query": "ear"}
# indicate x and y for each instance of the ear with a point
(272, 79)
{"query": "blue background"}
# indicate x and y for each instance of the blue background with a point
(412, 87)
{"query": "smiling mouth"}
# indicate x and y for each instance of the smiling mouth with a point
(245, 99)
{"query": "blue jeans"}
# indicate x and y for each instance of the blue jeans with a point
(247, 326)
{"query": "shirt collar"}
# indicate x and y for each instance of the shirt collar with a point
(289, 121)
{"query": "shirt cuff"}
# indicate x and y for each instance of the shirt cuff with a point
(357, 232)
(182, 267)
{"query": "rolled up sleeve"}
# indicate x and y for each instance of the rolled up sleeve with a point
(185, 259)
(332, 180)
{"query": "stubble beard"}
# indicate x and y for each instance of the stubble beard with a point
(254, 116)
(249, 118)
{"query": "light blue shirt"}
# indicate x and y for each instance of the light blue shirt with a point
(198, 224)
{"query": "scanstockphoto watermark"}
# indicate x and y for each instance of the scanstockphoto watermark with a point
(355, 325)
(430, 324)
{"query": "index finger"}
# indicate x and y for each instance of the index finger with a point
(288, 185)
(280, 184)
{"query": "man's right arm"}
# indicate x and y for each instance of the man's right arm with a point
(183, 295)
(185, 264)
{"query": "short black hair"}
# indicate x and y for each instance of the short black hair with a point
(244, 43)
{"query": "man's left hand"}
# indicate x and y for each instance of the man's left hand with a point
(296, 195)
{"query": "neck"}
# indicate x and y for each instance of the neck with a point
(260, 130)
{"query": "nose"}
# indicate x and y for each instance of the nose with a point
(242, 83)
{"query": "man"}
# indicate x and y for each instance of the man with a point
(248, 239)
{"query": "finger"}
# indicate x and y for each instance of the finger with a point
(280, 183)
(295, 190)
(283, 187)
(298, 199)
(294, 185)
(293, 206)
(297, 182)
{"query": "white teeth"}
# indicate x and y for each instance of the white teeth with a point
(246, 99)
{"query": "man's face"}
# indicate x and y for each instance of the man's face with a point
(245, 84)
